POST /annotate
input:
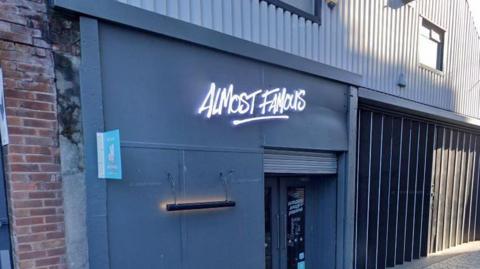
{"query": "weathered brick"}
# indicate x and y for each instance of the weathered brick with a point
(44, 228)
(43, 212)
(19, 195)
(48, 261)
(32, 255)
(10, 14)
(54, 219)
(24, 168)
(31, 159)
(26, 264)
(55, 235)
(23, 186)
(22, 230)
(43, 141)
(21, 213)
(54, 202)
(43, 177)
(24, 247)
(21, 131)
(17, 37)
(15, 121)
(27, 203)
(28, 221)
(16, 159)
(42, 195)
(6, 45)
(56, 252)
(31, 238)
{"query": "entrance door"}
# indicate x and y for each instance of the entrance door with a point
(291, 229)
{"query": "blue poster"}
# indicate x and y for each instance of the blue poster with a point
(108, 153)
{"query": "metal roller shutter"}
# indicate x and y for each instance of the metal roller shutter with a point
(298, 162)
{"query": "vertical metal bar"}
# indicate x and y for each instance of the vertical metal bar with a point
(454, 198)
(433, 196)
(406, 190)
(415, 192)
(284, 230)
(476, 199)
(277, 215)
(432, 187)
(389, 191)
(369, 178)
(393, 191)
(467, 207)
(398, 188)
(467, 190)
(472, 185)
(464, 167)
(423, 191)
(379, 189)
(448, 196)
(442, 190)
(356, 188)
(347, 255)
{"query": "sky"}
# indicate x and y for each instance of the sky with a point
(475, 7)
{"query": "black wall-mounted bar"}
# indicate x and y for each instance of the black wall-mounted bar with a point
(200, 205)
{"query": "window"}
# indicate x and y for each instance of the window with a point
(309, 9)
(431, 43)
(305, 5)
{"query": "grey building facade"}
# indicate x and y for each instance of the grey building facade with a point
(269, 134)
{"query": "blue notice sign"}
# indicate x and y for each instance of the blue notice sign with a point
(108, 153)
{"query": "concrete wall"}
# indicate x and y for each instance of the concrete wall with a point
(65, 34)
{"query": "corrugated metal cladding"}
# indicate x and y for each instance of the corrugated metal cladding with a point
(417, 188)
(374, 38)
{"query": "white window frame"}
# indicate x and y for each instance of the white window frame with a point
(443, 46)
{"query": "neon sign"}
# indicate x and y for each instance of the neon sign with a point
(255, 106)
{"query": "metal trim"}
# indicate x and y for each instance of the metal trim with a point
(399, 104)
(92, 116)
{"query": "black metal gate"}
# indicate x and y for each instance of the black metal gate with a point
(5, 260)
(455, 186)
(417, 187)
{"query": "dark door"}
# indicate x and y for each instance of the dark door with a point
(4, 232)
(291, 229)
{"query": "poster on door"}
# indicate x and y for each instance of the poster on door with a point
(296, 227)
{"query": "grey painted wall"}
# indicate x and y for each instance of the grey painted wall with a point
(151, 90)
(377, 39)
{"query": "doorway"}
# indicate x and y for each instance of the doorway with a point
(294, 218)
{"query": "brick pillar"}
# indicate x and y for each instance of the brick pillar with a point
(34, 187)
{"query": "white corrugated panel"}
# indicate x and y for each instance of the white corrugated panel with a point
(372, 38)
(296, 162)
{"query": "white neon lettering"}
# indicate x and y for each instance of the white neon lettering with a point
(238, 122)
(272, 104)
